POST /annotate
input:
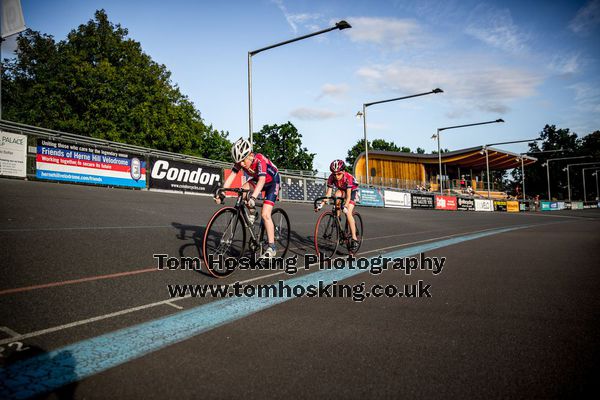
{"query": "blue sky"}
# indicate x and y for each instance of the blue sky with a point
(531, 64)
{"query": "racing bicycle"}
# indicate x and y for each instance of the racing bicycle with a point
(329, 233)
(229, 232)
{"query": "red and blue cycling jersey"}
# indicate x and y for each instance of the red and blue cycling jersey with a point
(261, 166)
(347, 182)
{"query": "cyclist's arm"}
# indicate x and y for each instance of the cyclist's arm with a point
(229, 179)
(259, 186)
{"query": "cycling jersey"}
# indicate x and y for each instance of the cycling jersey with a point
(346, 182)
(261, 166)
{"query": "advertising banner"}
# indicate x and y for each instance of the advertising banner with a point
(183, 177)
(524, 206)
(13, 154)
(92, 165)
(512, 206)
(238, 181)
(422, 201)
(396, 199)
(370, 197)
(500, 205)
(549, 206)
(590, 204)
(561, 205)
(465, 204)
(577, 205)
(567, 205)
(292, 188)
(445, 202)
(484, 205)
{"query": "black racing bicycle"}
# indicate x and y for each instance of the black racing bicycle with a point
(229, 232)
(329, 233)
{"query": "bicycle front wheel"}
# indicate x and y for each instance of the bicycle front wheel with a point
(326, 235)
(225, 237)
(281, 223)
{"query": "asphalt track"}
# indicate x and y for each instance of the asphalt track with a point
(85, 312)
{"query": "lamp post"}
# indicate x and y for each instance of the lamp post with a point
(437, 135)
(583, 177)
(523, 167)
(547, 165)
(569, 175)
(339, 25)
(487, 160)
(596, 175)
(364, 116)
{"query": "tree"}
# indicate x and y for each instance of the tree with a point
(100, 83)
(564, 144)
(282, 144)
(420, 150)
(377, 144)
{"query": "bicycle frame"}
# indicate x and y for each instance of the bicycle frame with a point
(240, 208)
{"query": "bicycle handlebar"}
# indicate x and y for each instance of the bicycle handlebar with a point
(334, 198)
(239, 191)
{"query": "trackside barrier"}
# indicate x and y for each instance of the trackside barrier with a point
(445, 202)
(484, 205)
(38, 153)
(397, 199)
(372, 197)
(512, 206)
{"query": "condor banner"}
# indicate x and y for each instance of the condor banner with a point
(422, 201)
(445, 202)
(183, 177)
(92, 165)
(396, 199)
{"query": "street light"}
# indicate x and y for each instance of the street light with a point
(569, 175)
(364, 116)
(523, 164)
(596, 175)
(583, 177)
(437, 135)
(487, 161)
(547, 165)
(339, 25)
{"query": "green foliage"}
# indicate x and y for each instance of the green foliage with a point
(100, 83)
(563, 143)
(282, 144)
(377, 144)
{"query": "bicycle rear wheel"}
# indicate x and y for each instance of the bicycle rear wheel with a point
(281, 222)
(326, 235)
(225, 236)
(359, 231)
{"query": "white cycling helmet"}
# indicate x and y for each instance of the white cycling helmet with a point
(240, 150)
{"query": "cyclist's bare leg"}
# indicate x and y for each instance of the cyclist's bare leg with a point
(351, 222)
(338, 193)
(266, 218)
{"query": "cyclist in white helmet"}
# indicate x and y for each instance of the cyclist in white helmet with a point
(263, 176)
(345, 186)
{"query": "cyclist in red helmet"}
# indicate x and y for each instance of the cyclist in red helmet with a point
(345, 186)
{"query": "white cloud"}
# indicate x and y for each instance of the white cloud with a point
(495, 27)
(586, 19)
(485, 88)
(566, 65)
(297, 19)
(387, 32)
(587, 97)
(313, 114)
(332, 90)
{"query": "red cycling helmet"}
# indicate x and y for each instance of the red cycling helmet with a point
(337, 166)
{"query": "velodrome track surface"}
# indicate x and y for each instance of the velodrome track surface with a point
(512, 314)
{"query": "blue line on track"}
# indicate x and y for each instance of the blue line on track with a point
(50, 371)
